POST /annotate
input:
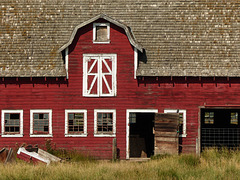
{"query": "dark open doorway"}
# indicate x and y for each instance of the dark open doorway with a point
(220, 128)
(141, 137)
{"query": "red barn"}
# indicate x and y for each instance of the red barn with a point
(82, 78)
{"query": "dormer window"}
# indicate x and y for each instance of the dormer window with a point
(101, 33)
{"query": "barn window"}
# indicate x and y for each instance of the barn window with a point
(132, 118)
(41, 123)
(99, 75)
(209, 118)
(12, 123)
(101, 33)
(104, 122)
(75, 123)
(234, 118)
(182, 120)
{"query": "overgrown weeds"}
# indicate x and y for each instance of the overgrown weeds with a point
(212, 164)
(67, 155)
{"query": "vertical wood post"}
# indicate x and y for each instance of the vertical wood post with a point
(114, 149)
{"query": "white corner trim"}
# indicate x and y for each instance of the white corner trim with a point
(94, 33)
(184, 112)
(66, 61)
(114, 122)
(49, 111)
(84, 111)
(3, 123)
(135, 62)
(127, 124)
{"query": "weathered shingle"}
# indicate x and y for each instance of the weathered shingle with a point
(181, 38)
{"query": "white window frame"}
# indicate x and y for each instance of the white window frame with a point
(114, 122)
(49, 111)
(20, 123)
(99, 75)
(84, 111)
(94, 33)
(184, 112)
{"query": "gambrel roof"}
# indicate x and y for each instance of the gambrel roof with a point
(128, 31)
(179, 38)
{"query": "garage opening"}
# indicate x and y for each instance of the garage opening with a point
(141, 137)
(220, 128)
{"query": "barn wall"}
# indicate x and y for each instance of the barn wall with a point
(148, 93)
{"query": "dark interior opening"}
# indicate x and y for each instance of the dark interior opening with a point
(141, 139)
(220, 128)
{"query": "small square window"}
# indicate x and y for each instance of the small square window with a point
(132, 118)
(41, 123)
(104, 123)
(101, 33)
(12, 123)
(234, 118)
(75, 123)
(209, 118)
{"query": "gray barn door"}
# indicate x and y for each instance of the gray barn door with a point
(166, 133)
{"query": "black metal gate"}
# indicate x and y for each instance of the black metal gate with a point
(220, 128)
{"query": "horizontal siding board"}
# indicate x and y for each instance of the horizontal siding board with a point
(149, 93)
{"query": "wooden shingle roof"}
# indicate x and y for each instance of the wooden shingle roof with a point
(180, 38)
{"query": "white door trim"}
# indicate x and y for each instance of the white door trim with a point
(127, 124)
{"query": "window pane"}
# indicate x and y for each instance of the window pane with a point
(70, 116)
(234, 118)
(40, 123)
(209, 118)
(35, 116)
(132, 118)
(76, 123)
(12, 123)
(45, 116)
(101, 33)
(7, 116)
(105, 123)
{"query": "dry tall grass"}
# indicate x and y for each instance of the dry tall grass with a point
(211, 165)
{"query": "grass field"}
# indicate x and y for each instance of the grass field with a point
(211, 165)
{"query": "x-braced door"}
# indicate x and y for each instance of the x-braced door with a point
(99, 76)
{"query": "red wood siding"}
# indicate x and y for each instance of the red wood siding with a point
(149, 93)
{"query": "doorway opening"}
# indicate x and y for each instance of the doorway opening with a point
(220, 128)
(141, 137)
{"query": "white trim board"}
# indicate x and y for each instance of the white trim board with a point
(66, 61)
(128, 111)
(135, 62)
